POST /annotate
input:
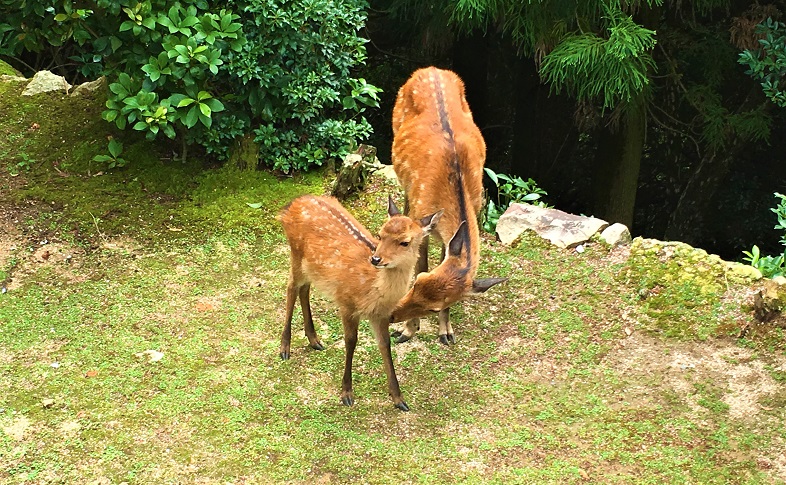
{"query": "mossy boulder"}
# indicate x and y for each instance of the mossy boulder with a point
(677, 262)
(7, 70)
(681, 289)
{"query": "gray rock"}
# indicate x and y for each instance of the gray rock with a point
(616, 234)
(7, 78)
(44, 82)
(562, 229)
(387, 172)
(88, 88)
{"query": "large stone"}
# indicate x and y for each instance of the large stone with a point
(743, 272)
(88, 88)
(616, 234)
(7, 78)
(679, 263)
(387, 172)
(562, 229)
(44, 82)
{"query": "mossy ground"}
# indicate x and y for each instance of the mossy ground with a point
(580, 369)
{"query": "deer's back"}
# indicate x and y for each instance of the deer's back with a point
(438, 151)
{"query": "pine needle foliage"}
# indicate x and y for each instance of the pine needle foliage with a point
(612, 69)
(591, 49)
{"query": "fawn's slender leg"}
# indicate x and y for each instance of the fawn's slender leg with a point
(350, 342)
(305, 306)
(286, 335)
(382, 335)
(411, 327)
(445, 328)
(446, 335)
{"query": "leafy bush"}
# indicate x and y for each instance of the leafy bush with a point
(278, 69)
(767, 64)
(295, 68)
(510, 190)
(771, 266)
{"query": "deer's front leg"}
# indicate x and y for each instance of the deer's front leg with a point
(382, 335)
(350, 342)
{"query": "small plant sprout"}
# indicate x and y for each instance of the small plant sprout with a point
(510, 189)
(771, 266)
(112, 160)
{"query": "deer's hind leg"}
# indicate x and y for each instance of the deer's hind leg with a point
(286, 336)
(308, 322)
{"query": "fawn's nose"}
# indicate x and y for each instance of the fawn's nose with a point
(375, 260)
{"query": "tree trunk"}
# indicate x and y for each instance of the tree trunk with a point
(618, 161)
(685, 223)
(527, 131)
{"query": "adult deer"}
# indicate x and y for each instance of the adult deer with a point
(438, 155)
(363, 275)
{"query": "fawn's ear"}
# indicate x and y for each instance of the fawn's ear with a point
(483, 284)
(457, 241)
(428, 223)
(392, 209)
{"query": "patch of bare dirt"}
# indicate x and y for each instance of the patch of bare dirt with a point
(679, 365)
(11, 239)
(744, 379)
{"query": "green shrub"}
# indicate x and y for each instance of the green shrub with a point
(767, 64)
(278, 69)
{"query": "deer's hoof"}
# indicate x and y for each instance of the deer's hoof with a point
(317, 345)
(284, 355)
(402, 406)
(447, 339)
(347, 400)
(401, 338)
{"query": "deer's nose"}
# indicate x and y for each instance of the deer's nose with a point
(375, 260)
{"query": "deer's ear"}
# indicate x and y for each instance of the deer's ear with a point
(457, 241)
(392, 209)
(428, 223)
(483, 284)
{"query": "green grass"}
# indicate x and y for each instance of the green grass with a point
(579, 369)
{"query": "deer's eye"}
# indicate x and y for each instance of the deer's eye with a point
(404, 243)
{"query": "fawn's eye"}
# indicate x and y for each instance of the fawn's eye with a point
(404, 243)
